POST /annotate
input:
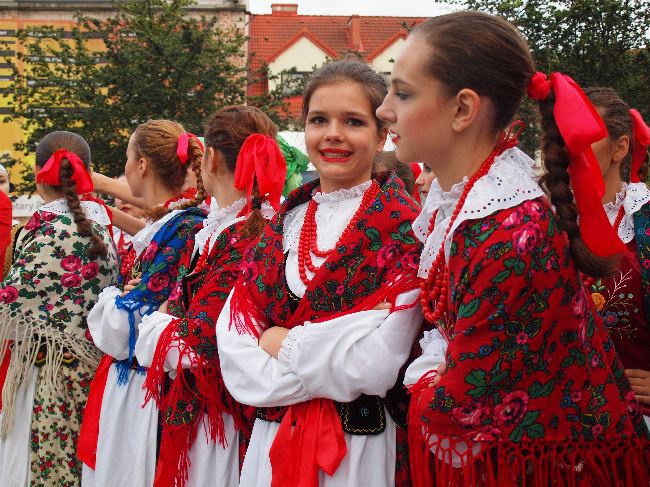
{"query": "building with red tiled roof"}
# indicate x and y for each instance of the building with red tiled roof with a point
(284, 40)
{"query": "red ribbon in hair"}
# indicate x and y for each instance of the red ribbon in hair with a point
(50, 173)
(580, 126)
(641, 136)
(261, 158)
(183, 146)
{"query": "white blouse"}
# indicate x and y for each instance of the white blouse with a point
(509, 182)
(632, 197)
(339, 359)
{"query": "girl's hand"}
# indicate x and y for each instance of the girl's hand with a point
(130, 286)
(442, 368)
(640, 382)
(382, 306)
(164, 306)
(271, 340)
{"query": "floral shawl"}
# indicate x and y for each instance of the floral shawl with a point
(46, 297)
(159, 266)
(376, 263)
(533, 392)
(197, 302)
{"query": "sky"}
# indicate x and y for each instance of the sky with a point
(405, 8)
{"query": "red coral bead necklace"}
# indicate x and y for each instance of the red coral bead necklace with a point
(308, 242)
(435, 288)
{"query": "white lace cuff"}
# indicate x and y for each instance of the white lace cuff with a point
(287, 355)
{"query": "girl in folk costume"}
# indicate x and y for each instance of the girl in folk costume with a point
(530, 391)
(118, 441)
(624, 300)
(201, 422)
(323, 315)
(63, 259)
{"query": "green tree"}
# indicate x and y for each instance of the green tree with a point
(596, 42)
(155, 62)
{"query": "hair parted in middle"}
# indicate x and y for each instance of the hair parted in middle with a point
(353, 70)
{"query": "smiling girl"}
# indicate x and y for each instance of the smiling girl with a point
(530, 390)
(323, 316)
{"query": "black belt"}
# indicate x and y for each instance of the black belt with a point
(366, 415)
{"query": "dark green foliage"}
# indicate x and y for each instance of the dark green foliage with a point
(158, 63)
(596, 42)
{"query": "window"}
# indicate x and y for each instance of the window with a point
(293, 82)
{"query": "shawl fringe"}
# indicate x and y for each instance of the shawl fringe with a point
(29, 335)
(244, 312)
(205, 404)
(449, 462)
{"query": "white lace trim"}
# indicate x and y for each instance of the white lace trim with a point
(94, 211)
(632, 196)
(220, 218)
(142, 239)
(510, 181)
(343, 194)
(335, 210)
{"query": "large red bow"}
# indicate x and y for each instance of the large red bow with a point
(641, 136)
(580, 126)
(50, 172)
(260, 157)
(309, 437)
(183, 145)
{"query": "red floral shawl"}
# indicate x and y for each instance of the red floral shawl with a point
(532, 375)
(199, 390)
(378, 262)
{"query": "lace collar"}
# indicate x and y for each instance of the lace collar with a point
(342, 194)
(142, 239)
(335, 212)
(632, 196)
(220, 218)
(94, 211)
(510, 181)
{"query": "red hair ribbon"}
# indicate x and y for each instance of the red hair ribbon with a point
(50, 172)
(260, 157)
(183, 145)
(641, 136)
(580, 126)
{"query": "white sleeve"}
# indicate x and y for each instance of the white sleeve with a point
(251, 375)
(434, 347)
(109, 326)
(149, 331)
(359, 353)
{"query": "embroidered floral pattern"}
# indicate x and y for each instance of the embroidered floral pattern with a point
(527, 359)
(53, 279)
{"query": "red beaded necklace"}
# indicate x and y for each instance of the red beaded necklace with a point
(435, 288)
(587, 280)
(308, 245)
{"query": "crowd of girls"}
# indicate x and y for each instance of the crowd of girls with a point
(346, 335)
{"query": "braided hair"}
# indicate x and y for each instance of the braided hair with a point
(76, 144)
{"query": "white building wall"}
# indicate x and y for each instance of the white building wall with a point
(384, 62)
(302, 55)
